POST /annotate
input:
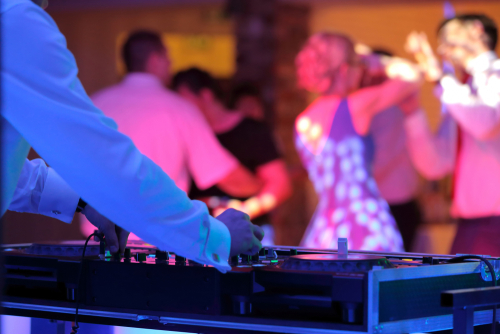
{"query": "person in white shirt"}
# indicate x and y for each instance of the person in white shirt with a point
(166, 128)
(468, 141)
(45, 106)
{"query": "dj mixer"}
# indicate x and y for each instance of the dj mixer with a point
(280, 290)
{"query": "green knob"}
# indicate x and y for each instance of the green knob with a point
(142, 257)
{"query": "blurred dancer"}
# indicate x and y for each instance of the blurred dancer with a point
(162, 124)
(250, 141)
(330, 139)
(468, 141)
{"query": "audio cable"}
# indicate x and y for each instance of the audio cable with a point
(75, 327)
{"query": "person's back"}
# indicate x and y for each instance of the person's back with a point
(159, 122)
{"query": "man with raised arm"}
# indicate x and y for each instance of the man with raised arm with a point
(467, 143)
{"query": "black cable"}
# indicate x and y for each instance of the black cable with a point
(75, 327)
(493, 279)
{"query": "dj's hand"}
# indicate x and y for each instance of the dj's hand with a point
(116, 237)
(245, 236)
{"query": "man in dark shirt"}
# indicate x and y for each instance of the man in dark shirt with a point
(250, 141)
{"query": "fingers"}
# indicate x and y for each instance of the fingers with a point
(255, 246)
(258, 232)
(122, 238)
(257, 235)
(110, 234)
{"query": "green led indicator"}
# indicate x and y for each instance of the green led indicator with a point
(107, 254)
(274, 261)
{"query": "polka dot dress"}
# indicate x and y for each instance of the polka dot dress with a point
(350, 205)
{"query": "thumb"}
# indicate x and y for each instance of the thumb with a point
(109, 231)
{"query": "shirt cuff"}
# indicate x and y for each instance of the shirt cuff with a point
(453, 91)
(218, 245)
(416, 123)
(58, 200)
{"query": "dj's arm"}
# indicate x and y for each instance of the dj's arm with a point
(41, 190)
(46, 103)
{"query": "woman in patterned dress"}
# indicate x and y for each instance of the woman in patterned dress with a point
(331, 139)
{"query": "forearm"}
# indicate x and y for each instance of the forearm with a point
(275, 190)
(365, 103)
(432, 155)
(240, 183)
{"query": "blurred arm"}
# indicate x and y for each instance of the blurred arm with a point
(275, 190)
(433, 155)
(240, 183)
(404, 80)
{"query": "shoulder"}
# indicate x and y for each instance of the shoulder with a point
(25, 17)
(5, 5)
(182, 108)
(316, 111)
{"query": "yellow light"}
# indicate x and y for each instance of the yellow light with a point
(234, 204)
(251, 206)
(315, 132)
(362, 49)
(268, 201)
(303, 124)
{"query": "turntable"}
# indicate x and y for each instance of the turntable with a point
(281, 289)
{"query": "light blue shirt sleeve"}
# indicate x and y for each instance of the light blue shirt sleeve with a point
(41, 190)
(47, 105)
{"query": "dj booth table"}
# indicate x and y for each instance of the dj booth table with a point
(284, 290)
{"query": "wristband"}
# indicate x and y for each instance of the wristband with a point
(81, 205)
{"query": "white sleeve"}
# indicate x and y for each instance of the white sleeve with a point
(433, 155)
(41, 190)
(478, 112)
(46, 103)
